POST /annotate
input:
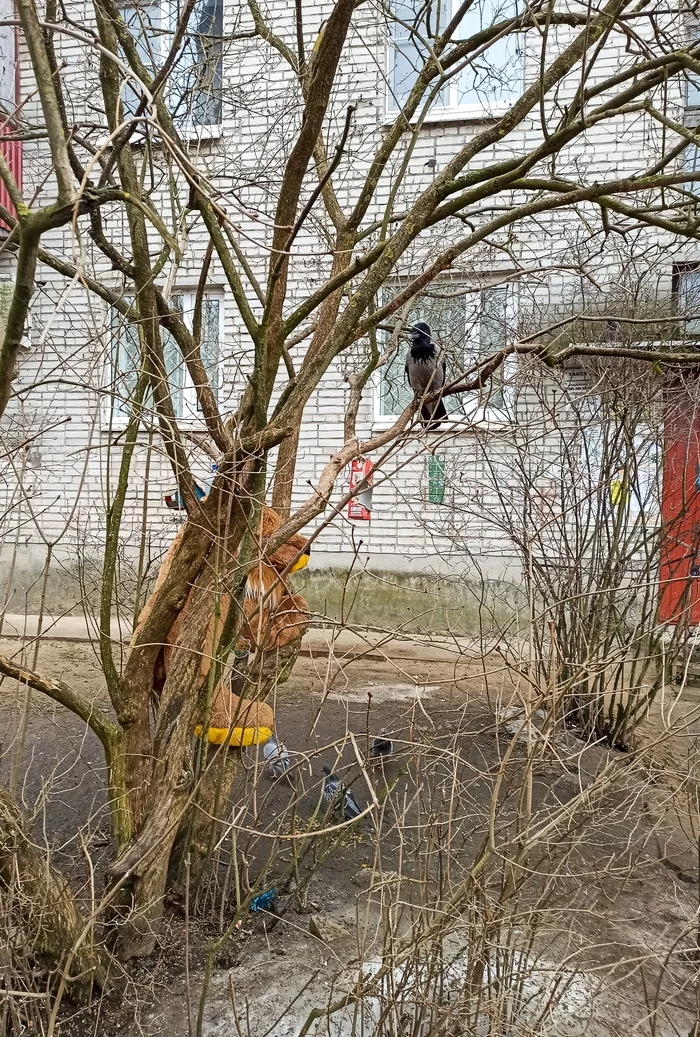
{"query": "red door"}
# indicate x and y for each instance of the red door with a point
(679, 591)
(10, 96)
(12, 152)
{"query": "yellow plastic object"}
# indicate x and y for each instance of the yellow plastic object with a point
(239, 736)
(301, 564)
(235, 721)
(618, 492)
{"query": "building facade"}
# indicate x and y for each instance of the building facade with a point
(438, 503)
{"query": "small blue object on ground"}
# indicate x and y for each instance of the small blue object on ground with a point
(263, 902)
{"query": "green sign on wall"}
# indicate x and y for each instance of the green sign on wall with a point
(436, 479)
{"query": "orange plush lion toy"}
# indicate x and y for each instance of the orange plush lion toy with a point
(275, 619)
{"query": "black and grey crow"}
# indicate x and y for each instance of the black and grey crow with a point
(425, 371)
(379, 750)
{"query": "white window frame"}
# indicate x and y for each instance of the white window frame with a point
(191, 414)
(645, 494)
(690, 163)
(474, 110)
(691, 98)
(690, 328)
(476, 408)
(190, 403)
(160, 46)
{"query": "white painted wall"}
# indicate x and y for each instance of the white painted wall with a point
(67, 471)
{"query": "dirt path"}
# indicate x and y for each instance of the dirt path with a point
(608, 893)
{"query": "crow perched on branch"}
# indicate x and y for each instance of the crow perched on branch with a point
(425, 371)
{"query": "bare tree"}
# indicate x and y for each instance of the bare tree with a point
(128, 181)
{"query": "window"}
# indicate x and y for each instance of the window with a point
(126, 356)
(691, 164)
(8, 58)
(193, 92)
(692, 96)
(468, 325)
(491, 79)
(690, 160)
(607, 464)
(686, 289)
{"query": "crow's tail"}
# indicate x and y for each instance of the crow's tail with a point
(432, 415)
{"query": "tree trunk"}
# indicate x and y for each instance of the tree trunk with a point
(137, 752)
(199, 831)
(144, 864)
(201, 828)
(47, 912)
(284, 474)
(328, 313)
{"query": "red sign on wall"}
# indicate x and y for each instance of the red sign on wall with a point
(360, 507)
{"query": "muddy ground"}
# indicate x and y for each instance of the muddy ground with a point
(610, 892)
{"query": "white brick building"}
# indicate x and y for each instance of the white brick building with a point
(67, 371)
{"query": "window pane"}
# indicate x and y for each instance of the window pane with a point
(8, 59)
(210, 343)
(691, 164)
(493, 335)
(195, 84)
(395, 393)
(424, 17)
(125, 359)
(421, 23)
(445, 310)
(689, 299)
(174, 364)
(145, 22)
(692, 98)
(497, 74)
(407, 64)
(493, 325)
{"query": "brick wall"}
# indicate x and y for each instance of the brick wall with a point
(69, 471)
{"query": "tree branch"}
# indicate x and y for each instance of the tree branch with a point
(41, 66)
(59, 691)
